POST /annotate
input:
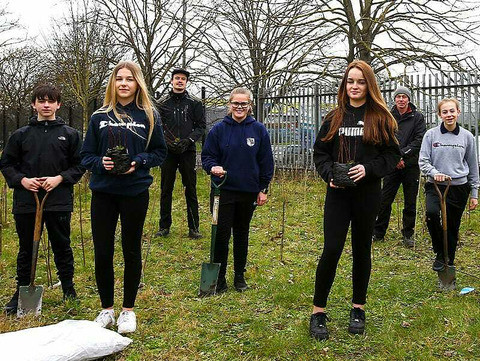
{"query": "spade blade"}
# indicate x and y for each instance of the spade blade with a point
(29, 300)
(209, 279)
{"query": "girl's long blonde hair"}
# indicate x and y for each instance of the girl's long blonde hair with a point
(142, 97)
(379, 124)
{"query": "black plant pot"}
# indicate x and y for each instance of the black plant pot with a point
(120, 158)
(340, 174)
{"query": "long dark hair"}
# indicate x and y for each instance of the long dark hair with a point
(379, 124)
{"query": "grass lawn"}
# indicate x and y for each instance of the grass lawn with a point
(407, 317)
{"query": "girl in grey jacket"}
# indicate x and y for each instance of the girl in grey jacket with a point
(448, 153)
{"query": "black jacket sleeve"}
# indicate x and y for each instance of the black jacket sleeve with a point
(10, 161)
(75, 171)
(199, 122)
(323, 154)
(412, 149)
(384, 163)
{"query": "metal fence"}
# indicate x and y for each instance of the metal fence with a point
(293, 119)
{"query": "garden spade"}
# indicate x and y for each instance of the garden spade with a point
(447, 279)
(30, 297)
(210, 270)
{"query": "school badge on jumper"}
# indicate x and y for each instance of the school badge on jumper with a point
(250, 142)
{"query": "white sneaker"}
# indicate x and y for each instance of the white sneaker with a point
(127, 322)
(106, 318)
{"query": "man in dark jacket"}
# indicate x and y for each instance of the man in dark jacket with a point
(411, 128)
(183, 120)
(43, 156)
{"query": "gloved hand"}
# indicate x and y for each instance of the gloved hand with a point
(183, 145)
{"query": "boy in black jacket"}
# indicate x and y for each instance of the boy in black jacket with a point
(43, 156)
(183, 121)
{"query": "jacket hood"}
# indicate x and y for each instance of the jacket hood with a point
(229, 120)
(34, 121)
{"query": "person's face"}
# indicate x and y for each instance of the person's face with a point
(179, 83)
(46, 108)
(239, 106)
(401, 101)
(126, 86)
(356, 87)
(449, 115)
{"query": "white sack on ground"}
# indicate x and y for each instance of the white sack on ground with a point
(68, 340)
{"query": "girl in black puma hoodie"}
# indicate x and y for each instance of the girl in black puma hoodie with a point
(360, 130)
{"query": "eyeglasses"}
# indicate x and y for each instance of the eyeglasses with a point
(240, 105)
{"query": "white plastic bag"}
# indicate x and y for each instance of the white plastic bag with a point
(68, 340)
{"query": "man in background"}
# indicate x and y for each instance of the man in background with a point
(183, 120)
(411, 128)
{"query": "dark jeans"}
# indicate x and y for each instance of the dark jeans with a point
(408, 178)
(104, 212)
(234, 215)
(356, 206)
(185, 163)
(58, 227)
(457, 198)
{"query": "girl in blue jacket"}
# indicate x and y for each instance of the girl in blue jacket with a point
(126, 120)
(240, 145)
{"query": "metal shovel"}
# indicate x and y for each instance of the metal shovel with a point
(446, 277)
(30, 297)
(210, 270)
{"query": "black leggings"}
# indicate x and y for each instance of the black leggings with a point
(234, 214)
(104, 212)
(358, 206)
(457, 198)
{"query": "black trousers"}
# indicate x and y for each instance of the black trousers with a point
(185, 163)
(408, 178)
(58, 228)
(105, 210)
(457, 198)
(357, 206)
(234, 216)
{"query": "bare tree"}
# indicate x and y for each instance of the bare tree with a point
(386, 33)
(20, 70)
(158, 32)
(258, 44)
(7, 24)
(82, 54)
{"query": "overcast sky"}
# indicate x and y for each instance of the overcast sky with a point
(35, 15)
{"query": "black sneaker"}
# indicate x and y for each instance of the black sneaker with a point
(12, 305)
(194, 234)
(409, 242)
(162, 232)
(357, 321)
(318, 327)
(439, 263)
(239, 282)
(69, 293)
(221, 285)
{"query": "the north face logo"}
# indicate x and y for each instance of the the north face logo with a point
(62, 138)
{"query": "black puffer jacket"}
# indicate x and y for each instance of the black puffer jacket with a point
(43, 149)
(411, 129)
(183, 117)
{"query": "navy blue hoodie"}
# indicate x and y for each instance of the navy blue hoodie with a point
(243, 150)
(106, 131)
